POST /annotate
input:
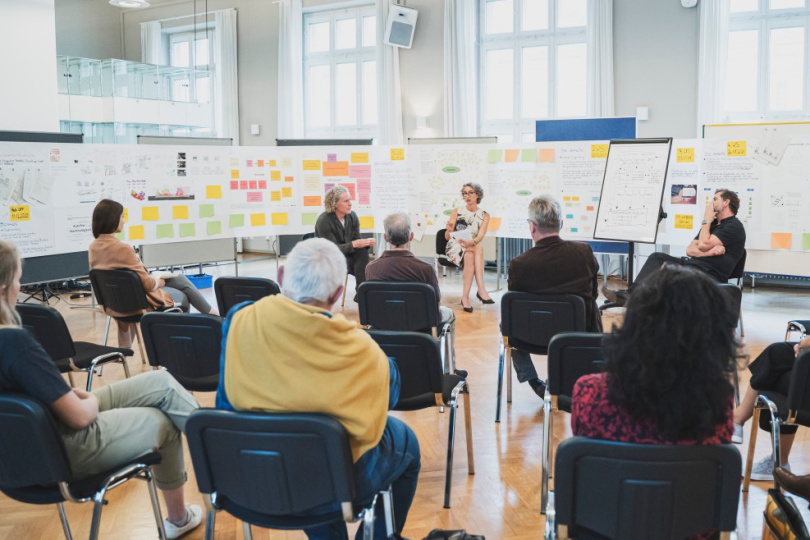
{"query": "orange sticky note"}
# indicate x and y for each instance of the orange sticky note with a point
(275, 195)
(336, 168)
(546, 155)
(312, 200)
(275, 176)
(366, 222)
(257, 220)
(150, 213)
(179, 212)
(512, 155)
(234, 174)
(136, 232)
(494, 224)
(260, 163)
(278, 218)
(286, 192)
(781, 240)
(213, 192)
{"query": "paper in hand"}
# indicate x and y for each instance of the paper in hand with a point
(465, 235)
(163, 274)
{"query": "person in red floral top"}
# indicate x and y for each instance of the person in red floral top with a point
(668, 368)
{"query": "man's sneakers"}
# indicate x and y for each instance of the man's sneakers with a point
(737, 437)
(194, 515)
(615, 296)
(763, 469)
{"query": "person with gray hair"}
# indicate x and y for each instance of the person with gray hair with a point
(553, 266)
(340, 225)
(398, 263)
(289, 353)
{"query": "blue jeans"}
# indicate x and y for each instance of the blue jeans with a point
(394, 462)
(524, 368)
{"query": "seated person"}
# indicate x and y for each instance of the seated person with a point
(340, 225)
(110, 426)
(716, 249)
(770, 371)
(397, 263)
(288, 353)
(553, 266)
(109, 253)
(668, 368)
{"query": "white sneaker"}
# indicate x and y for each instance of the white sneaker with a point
(762, 471)
(194, 515)
(737, 436)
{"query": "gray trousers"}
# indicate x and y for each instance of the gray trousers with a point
(183, 292)
(524, 368)
(141, 414)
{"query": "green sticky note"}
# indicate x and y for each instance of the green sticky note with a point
(528, 155)
(237, 220)
(806, 241)
(213, 227)
(495, 156)
(121, 236)
(309, 218)
(188, 229)
(165, 231)
(206, 210)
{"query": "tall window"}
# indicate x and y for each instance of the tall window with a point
(767, 67)
(532, 62)
(192, 50)
(340, 73)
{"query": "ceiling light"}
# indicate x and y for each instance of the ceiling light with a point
(129, 3)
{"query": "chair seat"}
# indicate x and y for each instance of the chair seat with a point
(526, 346)
(780, 400)
(267, 521)
(424, 401)
(81, 488)
(86, 352)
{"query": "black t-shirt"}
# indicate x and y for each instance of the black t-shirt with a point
(25, 367)
(731, 232)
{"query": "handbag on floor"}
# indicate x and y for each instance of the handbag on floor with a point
(439, 534)
(782, 519)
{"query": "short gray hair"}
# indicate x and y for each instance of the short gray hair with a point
(479, 191)
(398, 228)
(545, 213)
(332, 198)
(313, 271)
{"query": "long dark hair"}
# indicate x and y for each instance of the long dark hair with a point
(671, 362)
(106, 216)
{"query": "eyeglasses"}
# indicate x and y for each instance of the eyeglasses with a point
(463, 193)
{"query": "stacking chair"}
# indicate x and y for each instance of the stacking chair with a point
(407, 307)
(797, 326)
(570, 356)
(423, 385)
(614, 490)
(528, 322)
(792, 409)
(187, 345)
(345, 281)
(233, 290)
(276, 470)
(34, 466)
(122, 291)
(70, 356)
(737, 274)
(734, 293)
(441, 257)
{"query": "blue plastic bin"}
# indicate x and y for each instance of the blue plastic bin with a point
(202, 281)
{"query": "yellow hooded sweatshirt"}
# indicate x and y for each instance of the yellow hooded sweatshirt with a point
(283, 356)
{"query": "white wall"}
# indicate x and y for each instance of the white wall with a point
(28, 93)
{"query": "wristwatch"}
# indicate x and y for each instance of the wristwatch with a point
(705, 221)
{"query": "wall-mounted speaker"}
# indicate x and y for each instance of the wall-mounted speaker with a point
(401, 25)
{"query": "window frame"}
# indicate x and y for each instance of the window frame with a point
(189, 36)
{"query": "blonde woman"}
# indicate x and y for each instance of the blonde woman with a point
(111, 425)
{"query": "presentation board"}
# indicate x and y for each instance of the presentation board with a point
(630, 199)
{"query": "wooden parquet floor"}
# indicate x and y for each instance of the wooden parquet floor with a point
(502, 499)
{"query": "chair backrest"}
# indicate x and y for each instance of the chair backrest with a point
(308, 236)
(734, 295)
(233, 290)
(187, 345)
(419, 361)
(531, 320)
(49, 328)
(441, 242)
(31, 451)
(739, 269)
(798, 399)
(119, 290)
(407, 306)
(263, 467)
(627, 491)
(570, 356)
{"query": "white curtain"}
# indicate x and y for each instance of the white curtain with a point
(225, 63)
(290, 70)
(460, 110)
(152, 43)
(600, 59)
(712, 55)
(389, 94)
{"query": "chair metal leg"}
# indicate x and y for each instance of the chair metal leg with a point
(70, 379)
(368, 520)
(452, 346)
(752, 442)
(508, 369)
(63, 518)
(547, 421)
(345, 284)
(210, 517)
(550, 532)
(468, 430)
(388, 512)
(246, 532)
(153, 497)
(107, 331)
(775, 434)
(500, 381)
(140, 342)
(450, 442)
(736, 388)
(98, 504)
(125, 366)
(90, 377)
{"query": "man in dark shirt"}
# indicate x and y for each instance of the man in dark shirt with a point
(553, 266)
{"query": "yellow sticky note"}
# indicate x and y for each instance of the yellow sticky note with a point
(359, 157)
(126, 215)
(213, 192)
(312, 165)
(685, 155)
(20, 212)
(275, 195)
(366, 222)
(599, 150)
(736, 148)
(150, 213)
(257, 220)
(683, 221)
(278, 218)
(286, 192)
(234, 174)
(179, 212)
(397, 154)
(275, 176)
(136, 232)
(271, 162)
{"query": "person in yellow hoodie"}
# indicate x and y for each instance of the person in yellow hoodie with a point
(289, 353)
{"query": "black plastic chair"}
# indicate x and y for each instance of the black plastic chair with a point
(187, 345)
(797, 326)
(345, 282)
(423, 385)
(407, 307)
(233, 290)
(274, 469)
(70, 356)
(570, 356)
(614, 490)
(792, 409)
(528, 322)
(34, 466)
(441, 252)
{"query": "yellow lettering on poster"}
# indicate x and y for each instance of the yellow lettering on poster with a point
(366, 222)
(599, 150)
(150, 213)
(278, 218)
(275, 176)
(213, 192)
(136, 232)
(683, 221)
(359, 157)
(312, 165)
(397, 154)
(179, 212)
(736, 148)
(20, 212)
(685, 155)
(257, 220)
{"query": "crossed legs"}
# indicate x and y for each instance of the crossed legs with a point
(473, 268)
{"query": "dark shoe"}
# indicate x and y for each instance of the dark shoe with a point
(488, 301)
(615, 296)
(798, 485)
(465, 308)
(539, 387)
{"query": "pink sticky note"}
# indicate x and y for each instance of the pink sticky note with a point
(253, 184)
(351, 189)
(364, 191)
(327, 187)
(359, 171)
(254, 196)
(234, 184)
(250, 163)
(243, 184)
(331, 158)
(262, 184)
